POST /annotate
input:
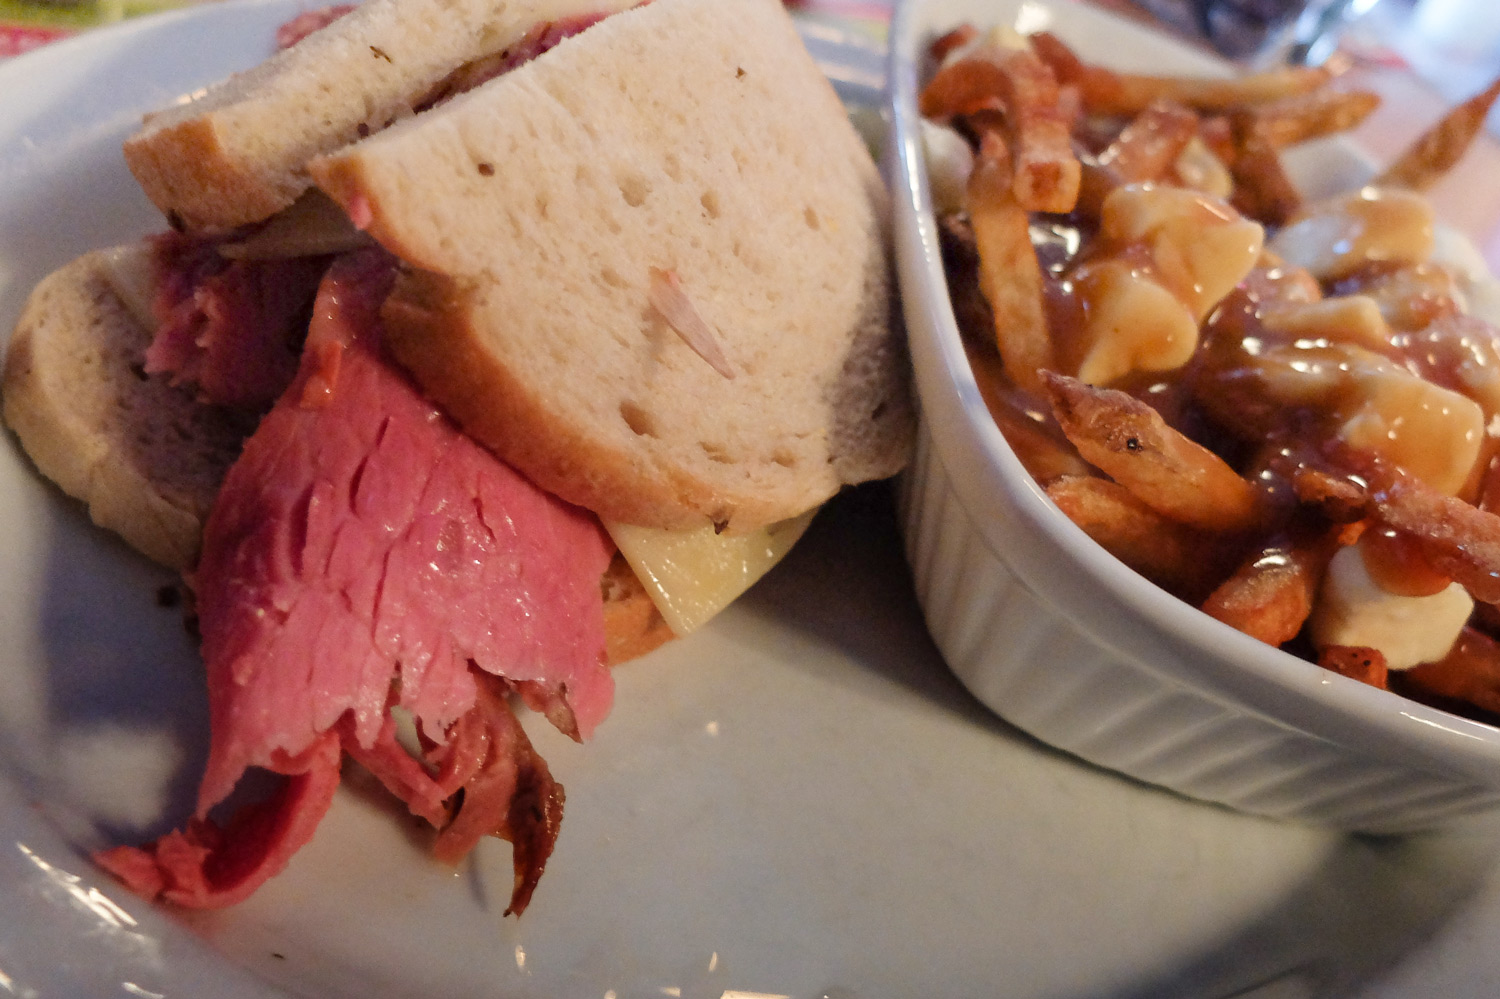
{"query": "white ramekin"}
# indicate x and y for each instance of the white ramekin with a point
(1065, 642)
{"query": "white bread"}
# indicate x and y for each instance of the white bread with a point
(236, 154)
(690, 136)
(145, 457)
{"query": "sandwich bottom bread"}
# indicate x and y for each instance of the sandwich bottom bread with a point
(445, 464)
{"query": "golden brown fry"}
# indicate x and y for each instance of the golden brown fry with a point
(1037, 126)
(1470, 672)
(1028, 426)
(1064, 62)
(1300, 117)
(1009, 275)
(949, 41)
(1459, 540)
(1305, 116)
(1172, 555)
(1132, 444)
(1106, 92)
(1262, 189)
(1441, 146)
(1147, 147)
(1339, 500)
(1145, 150)
(1046, 170)
(1271, 594)
(962, 87)
(1356, 662)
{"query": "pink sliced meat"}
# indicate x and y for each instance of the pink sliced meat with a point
(293, 31)
(537, 40)
(204, 866)
(508, 789)
(231, 329)
(362, 539)
(364, 554)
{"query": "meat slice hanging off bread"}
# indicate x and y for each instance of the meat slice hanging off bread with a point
(686, 142)
(145, 456)
(237, 154)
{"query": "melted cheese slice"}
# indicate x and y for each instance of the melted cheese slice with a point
(692, 575)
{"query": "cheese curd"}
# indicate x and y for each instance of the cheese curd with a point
(1434, 433)
(1352, 609)
(1337, 237)
(1175, 254)
(949, 162)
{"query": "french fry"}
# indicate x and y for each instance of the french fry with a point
(1262, 189)
(1178, 558)
(1310, 115)
(1470, 673)
(1107, 92)
(1441, 146)
(1338, 499)
(1038, 129)
(1459, 540)
(951, 41)
(1145, 150)
(1009, 275)
(1147, 147)
(1356, 662)
(1028, 427)
(1130, 442)
(1056, 53)
(1046, 170)
(1271, 594)
(964, 86)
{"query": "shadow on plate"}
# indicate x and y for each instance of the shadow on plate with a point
(1374, 901)
(1366, 904)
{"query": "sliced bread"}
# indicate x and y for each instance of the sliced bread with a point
(236, 153)
(691, 141)
(146, 457)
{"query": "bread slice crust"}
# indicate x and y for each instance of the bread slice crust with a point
(690, 137)
(237, 153)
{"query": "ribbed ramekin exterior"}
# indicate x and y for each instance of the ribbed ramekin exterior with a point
(1040, 672)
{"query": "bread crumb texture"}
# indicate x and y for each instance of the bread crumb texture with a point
(695, 137)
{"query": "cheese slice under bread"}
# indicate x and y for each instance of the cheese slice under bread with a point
(691, 138)
(237, 152)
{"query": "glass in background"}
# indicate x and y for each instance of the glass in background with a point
(1263, 32)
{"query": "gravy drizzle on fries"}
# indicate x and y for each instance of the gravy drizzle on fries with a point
(1281, 412)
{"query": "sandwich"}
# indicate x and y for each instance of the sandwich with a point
(466, 337)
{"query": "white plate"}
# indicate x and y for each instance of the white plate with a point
(798, 801)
